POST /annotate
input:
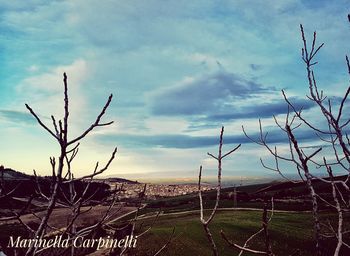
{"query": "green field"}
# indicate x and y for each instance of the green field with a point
(288, 231)
(191, 202)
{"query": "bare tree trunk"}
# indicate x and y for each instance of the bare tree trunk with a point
(204, 222)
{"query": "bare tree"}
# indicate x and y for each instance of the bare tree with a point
(71, 193)
(331, 134)
(206, 222)
(62, 174)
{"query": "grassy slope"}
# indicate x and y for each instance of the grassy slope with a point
(191, 202)
(289, 231)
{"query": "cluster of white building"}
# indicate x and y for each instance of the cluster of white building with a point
(156, 190)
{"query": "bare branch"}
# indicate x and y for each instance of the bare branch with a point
(232, 244)
(95, 124)
(231, 151)
(166, 244)
(96, 172)
(40, 122)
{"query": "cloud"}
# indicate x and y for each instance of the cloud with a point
(182, 141)
(221, 96)
(263, 110)
(51, 81)
(44, 90)
(204, 94)
(17, 116)
(255, 67)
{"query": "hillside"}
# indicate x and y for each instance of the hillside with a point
(287, 196)
(118, 180)
(10, 174)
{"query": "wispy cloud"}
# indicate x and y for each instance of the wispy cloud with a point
(261, 110)
(17, 116)
(182, 141)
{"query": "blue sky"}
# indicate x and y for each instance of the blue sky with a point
(179, 70)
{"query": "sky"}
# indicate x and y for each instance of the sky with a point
(178, 71)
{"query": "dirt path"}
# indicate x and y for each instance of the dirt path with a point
(60, 216)
(148, 215)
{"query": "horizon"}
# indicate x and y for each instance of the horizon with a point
(178, 72)
(228, 181)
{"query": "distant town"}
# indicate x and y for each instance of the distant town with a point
(134, 190)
